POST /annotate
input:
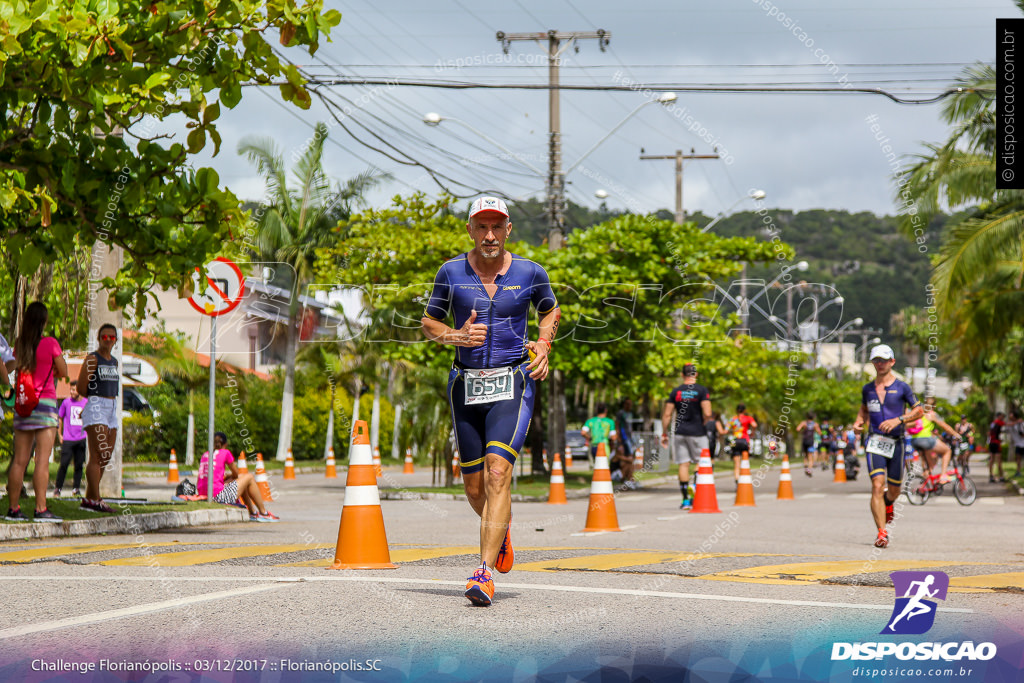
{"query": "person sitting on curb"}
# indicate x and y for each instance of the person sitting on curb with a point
(622, 466)
(228, 487)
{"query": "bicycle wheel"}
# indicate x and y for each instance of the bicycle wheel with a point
(965, 490)
(916, 490)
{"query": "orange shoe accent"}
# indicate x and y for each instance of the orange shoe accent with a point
(556, 494)
(408, 469)
(480, 588)
(243, 466)
(331, 471)
(840, 470)
(704, 497)
(261, 479)
(883, 539)
(601, 515)
(289, 466)
(172, 469)
(507, 555)
(785, 481)
(362, 540)
(745, 486)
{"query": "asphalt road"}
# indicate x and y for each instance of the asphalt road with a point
(762, 591)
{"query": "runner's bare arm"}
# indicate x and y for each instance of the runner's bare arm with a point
(469, 335)
(542, 347)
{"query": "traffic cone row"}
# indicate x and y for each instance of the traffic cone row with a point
(261, 479)
(289, 466)
(331, 471)
(704, 497)
(408, 469)
(601, 514)
(556, 494)
(243, 466)
(785, 481)
(840, 469)
(745, 486)
(172, 469)
(362, 540)
(376, 461)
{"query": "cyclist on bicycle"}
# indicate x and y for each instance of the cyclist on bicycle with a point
(924, 441)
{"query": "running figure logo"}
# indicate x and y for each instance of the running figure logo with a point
(913, 613)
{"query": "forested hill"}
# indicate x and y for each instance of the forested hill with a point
(877, 270)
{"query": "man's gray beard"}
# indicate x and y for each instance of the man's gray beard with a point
(484, 254)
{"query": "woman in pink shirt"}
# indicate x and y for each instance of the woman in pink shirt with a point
(43, 358)
(228, 487)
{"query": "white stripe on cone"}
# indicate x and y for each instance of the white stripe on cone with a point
(360, 455)
(601, 487)
(745, 479)
(362, 495)
(785, 477)
(557, 479)
(601, 462)
(705, 479)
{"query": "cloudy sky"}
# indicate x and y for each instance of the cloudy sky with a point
(804, 150)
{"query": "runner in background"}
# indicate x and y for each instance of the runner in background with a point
(809, 433)
(739, 428)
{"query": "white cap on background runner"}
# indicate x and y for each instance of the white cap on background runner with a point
(882, 351)
(485, 204)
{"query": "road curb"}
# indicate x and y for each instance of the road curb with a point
(122, 524)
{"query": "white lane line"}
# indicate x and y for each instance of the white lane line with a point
(130, 611)
(342, 576)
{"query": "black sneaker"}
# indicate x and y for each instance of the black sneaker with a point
(46, 516)
(16, 516)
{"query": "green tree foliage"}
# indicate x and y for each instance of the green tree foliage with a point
(75, 76)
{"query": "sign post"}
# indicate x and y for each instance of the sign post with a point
(217, 291)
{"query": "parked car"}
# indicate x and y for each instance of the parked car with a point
(134, 402)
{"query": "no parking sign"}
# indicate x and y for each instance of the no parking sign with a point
(218, 289)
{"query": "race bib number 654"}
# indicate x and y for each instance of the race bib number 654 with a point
(488, 385)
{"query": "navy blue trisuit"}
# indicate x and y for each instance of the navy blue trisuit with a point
(897, 395)
(496, 415)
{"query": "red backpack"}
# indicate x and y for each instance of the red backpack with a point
(26, 397)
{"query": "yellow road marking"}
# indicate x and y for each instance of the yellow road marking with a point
(60, 551)
(412, 554)
(612, 561)
(194, 557)
(986, 582)
(809, 572)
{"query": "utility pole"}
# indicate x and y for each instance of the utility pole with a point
(558, 42)
(679, 157)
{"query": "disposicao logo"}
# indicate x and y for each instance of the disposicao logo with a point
(913, 612)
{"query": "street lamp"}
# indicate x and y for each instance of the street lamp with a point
(433, 119)
(856, 322)
(863, 348)
(665, 98)
(756, 195)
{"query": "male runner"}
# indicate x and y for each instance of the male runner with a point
(488, 291)
(692, 405)
(882, 401)
(600, 429)
(809, 429)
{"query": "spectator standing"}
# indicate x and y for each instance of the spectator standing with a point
(692, 405)
(995, 449)
(99, 377)
(42, 359)
(1016, 429)
(71, 437)
(600, 429)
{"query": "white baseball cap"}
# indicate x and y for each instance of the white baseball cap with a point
(883, 351)
(485, 204)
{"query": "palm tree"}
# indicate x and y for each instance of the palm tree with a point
(295, 223)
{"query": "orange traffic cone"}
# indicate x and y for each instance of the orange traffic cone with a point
(408, 469)
(261, 479)
(332, 470)
(243, 466)
(601, 512)
(456, 468)
(376, 461)
(289, 466)
(745, 486)
(704, 497)
(638, 461)
(785, 481)
(362, 541)
(544, 457)
(556, 495)
(172, 469)
(568, 456)
(840, 469)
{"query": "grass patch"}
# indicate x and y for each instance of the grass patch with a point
(69, 508)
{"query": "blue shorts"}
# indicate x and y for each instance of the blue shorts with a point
(499, 428)
(892, 467)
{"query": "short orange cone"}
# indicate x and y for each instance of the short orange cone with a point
(376, 461)
(785, 481)
(638, 461)
(704, 497)
(261, 479)
(544, 457)
(456, 468)
(362, 541)
(243, 466)
(289, 466)
(568, 456)
(172, 469)
(601, 514)
(840, 469)
(745, 486)
(408, 469)
(556, 494)
(331, 472)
